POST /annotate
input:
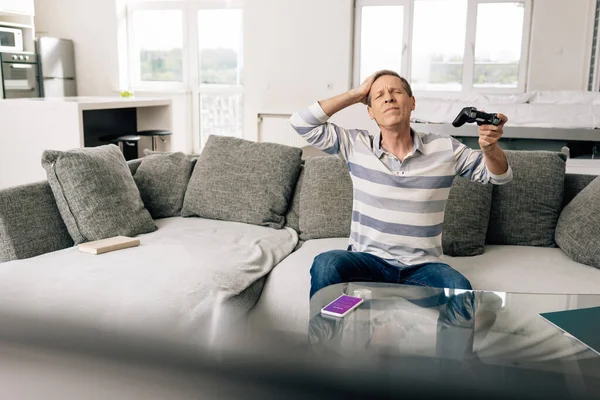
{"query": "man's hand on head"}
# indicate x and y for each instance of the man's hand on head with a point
(490, 134)
(362, 92)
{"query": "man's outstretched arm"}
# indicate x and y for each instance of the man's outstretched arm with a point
(489, 164)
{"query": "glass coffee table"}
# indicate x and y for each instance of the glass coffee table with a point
(469, 328)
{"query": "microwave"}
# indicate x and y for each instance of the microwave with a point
(11, 40)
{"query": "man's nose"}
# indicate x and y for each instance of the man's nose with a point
(390, 99)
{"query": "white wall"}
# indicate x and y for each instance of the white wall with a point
(561, 39)
(92, 25)
(296, 52)
(299, 51)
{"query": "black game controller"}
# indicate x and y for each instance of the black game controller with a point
(471, 114)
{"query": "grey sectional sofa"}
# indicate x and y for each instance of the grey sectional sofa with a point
(510, 242)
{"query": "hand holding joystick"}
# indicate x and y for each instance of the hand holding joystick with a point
(471, 114)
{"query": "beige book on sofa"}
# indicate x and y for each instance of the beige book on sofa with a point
(109, 244)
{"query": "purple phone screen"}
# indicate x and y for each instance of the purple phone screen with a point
(342, 304)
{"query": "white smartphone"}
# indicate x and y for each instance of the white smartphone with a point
(342, 306)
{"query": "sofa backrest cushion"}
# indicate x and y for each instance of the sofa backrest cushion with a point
(525, 210)
(292, 218)
(325, 199)
(466, 218)
(578, 227)
(162, 179)
(134, 165)
(30, 223)
(96, 194)
(575, 183)
(243, 181)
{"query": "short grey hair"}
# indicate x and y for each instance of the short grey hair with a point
(385, 72)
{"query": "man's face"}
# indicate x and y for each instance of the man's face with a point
(390, 103)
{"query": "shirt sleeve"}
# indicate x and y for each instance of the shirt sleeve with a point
(312, 125)
(471, 164)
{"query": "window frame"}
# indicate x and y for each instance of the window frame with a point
(470, 39)
(133, 63)
(405, 48)
(198, 88)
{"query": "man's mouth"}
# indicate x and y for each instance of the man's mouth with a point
(391, 108)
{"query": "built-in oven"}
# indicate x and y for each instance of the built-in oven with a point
(19, 77)
(11, 40)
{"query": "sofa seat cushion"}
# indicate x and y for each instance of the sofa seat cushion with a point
(172, 281)
(527, 269)
(284, 304)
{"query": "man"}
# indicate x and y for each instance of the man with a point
(401, 181)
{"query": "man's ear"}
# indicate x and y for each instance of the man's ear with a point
(370, 111)
(414, 103)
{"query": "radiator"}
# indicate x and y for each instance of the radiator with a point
(276, 128)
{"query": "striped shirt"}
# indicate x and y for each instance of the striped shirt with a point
(398, 206)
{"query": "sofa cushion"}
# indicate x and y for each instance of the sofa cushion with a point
(526, 269)
(243, 181)
(134, 165)
(525, 211)
(575, 183)
(325, 199)
(292, 218)
(578, 227)
(162, 180)
(181, 275)
(284, 303)
(466, 218)
(30, 223)
(96, 194)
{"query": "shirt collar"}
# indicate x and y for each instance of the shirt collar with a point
(379, 150)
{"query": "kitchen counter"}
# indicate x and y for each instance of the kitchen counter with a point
(30, 126)
(99, 103)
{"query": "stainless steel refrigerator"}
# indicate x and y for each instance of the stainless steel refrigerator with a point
(56, 59)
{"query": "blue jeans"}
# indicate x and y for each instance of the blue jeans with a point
(338, 266)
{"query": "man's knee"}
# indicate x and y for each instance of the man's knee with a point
(444, 276)
(330, 262)
(327, 269)
(455, 280)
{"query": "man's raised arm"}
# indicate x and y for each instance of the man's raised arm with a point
(312, 125)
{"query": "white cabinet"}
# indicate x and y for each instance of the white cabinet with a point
(583, 166)
(17, 6)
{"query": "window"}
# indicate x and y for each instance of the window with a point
(156, 54)
(380, 22)
(438, 44)
(192, 46)
(219, 93)
(497, 57)
(445, 45)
